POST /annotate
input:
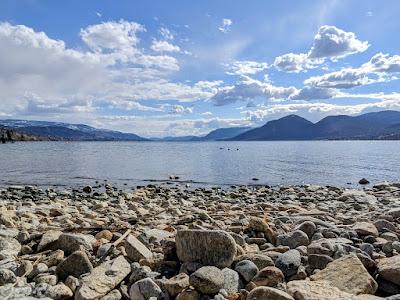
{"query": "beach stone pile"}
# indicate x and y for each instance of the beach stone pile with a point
(176, 242)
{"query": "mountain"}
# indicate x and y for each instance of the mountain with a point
(67, 132)
(224, 133)
(214, 135)
(375, 126)
(291, 127)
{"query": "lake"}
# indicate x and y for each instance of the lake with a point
(205, 163)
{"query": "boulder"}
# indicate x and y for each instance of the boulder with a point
(389, 268)
(49, 240)
(294, 239)
(103, 279)
(231, 280)
(347, 274)
(215, 248)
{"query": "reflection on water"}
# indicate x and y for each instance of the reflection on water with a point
(319, 162)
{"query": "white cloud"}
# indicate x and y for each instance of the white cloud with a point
(332, 42)
(164, 46)
(329, 43)
(111, 35)
(225, 25)
(380, 68)
(166, 33)
(35, 66)
(246, 67)
(294, 63)
(249, 89)
(313, 93)
(178, 109)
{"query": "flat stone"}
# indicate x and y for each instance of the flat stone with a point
(136, 250)
(321, 290)
(358, 196)
(365, 228)
(207, 280)
(268, 293)
(75, 265)
(103, 279)
(389, 268)
(347, 274)
(215, 248)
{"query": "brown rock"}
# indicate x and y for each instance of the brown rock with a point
(347, 274)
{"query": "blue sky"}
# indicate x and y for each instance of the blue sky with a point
(161, 68)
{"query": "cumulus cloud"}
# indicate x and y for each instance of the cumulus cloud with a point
(246, 67)
(114, 68)
(225, 25)
(249, 89)
(380, 68)
(313, 93)
(294, 63)
(329, 43)
(111, 35)
(332, 42)
(164, 46)
(179, 109)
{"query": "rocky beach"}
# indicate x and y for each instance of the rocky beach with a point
(171, 241)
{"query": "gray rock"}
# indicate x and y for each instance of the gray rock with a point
(384, 225)
(49, 240)
(75, 265)
(59, 292)
(247, 269)
(215, 248)
(207, 280)
(113, 295)
(289, 262)
(319, 261)
(260, 260)
(70, 242)
(144, 289)
(231, 280)
(7, 276)
(9, 247)
(139, 272)
(136, 250)
(294, 239)
(103, 279)
(308, 228)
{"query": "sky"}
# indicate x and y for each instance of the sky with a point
(170, 68)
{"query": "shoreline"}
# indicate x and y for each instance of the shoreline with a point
(170, 241)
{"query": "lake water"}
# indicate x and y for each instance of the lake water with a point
(214, 163)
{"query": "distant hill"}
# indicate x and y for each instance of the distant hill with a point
(67, 132)
(214, 135)
(224, 133)
(9, 135)
(375, 126)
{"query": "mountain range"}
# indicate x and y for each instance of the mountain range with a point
(375, 126)
(384, 125)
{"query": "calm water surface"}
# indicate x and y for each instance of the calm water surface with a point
(318, 162)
